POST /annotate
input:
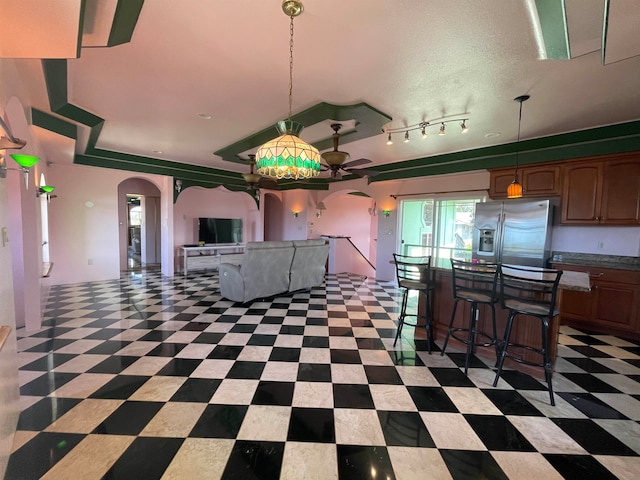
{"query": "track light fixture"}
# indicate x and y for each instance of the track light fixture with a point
(423, 126)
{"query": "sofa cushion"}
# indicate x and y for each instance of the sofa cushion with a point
(309, 264)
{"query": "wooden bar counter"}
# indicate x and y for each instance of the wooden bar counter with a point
(526, 330)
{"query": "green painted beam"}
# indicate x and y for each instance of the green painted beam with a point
(53, 124)
(611, 139)
(124, 21)
(369, 122)
(553, 22)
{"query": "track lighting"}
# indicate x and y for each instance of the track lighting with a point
(422, 126)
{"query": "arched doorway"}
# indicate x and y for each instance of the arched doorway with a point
(139, 222)
(273, 226)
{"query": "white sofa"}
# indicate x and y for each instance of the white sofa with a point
(272, 268)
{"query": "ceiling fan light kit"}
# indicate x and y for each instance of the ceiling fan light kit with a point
(287, 156)
(422, 126)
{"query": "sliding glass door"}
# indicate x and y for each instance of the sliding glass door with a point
(442, 228)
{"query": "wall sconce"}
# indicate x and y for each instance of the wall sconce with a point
(320, 208)
(24, 161)
(386, 213)
(295, 214)
(422, 126)
(178, 186)
(46, 190)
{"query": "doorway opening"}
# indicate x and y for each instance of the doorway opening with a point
(139, 219)
(134, 222)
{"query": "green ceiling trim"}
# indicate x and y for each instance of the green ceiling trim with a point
(612, 139)
(205, 179)
(369, 122)
(55, 77)
(553, 22)
(83, 5)
(53, 124)
(124, 21)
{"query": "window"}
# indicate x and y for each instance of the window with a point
(442, 228)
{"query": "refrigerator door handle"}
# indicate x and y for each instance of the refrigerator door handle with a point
(501, 218)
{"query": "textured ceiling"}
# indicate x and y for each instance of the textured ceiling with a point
(412, 61)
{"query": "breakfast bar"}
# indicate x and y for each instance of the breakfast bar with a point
(524, 332)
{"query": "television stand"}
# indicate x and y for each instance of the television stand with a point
(211, 255)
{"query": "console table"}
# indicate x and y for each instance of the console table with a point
(210, 256)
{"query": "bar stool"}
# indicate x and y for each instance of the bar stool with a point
(414, 273)
(529, 291)
(474, 283)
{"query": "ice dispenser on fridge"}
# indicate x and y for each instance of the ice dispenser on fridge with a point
(485, 244)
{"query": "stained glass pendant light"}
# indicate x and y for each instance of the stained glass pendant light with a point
(514, 190)
(287, 156)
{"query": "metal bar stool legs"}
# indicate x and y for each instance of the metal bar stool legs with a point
(531, 292)
(414, 273)
(475, 284)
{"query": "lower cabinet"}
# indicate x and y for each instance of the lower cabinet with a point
(611, 307)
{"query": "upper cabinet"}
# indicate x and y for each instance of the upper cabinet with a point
(537, 181)
(602, 192)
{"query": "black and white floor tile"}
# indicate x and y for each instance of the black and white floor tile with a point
(152, 377)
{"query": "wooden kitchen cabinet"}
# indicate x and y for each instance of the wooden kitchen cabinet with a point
(611, 307)
(537, 181)
(602, 192)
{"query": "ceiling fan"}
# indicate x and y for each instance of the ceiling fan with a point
(256, 181)
(336, 160)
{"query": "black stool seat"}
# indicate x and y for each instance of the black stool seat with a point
(474, 283)
(529, 291)
(414, 273)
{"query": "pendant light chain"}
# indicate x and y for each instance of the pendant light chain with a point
(290, 67)
(518, 142)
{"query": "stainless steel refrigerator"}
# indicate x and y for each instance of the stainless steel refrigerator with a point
(515, 232)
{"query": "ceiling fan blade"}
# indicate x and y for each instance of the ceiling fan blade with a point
(362, 172)
(356, 163)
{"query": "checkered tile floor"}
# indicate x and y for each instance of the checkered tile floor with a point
(153, 377)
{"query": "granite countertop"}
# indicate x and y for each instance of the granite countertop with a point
(570, 280)
(593, 260)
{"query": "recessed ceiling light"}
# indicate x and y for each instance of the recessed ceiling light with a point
(204, 116)
(492, 135)
(157, 151)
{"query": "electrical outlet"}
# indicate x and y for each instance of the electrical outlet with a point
(600, 245)
(90, 261)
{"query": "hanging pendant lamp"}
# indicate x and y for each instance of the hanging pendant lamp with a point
(287, 156)
(515, 190)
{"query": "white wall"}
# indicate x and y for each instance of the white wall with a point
(608, 240)
(196, 202)
(84, 225)
(9, 393)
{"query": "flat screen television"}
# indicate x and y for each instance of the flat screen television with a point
(220, 230)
